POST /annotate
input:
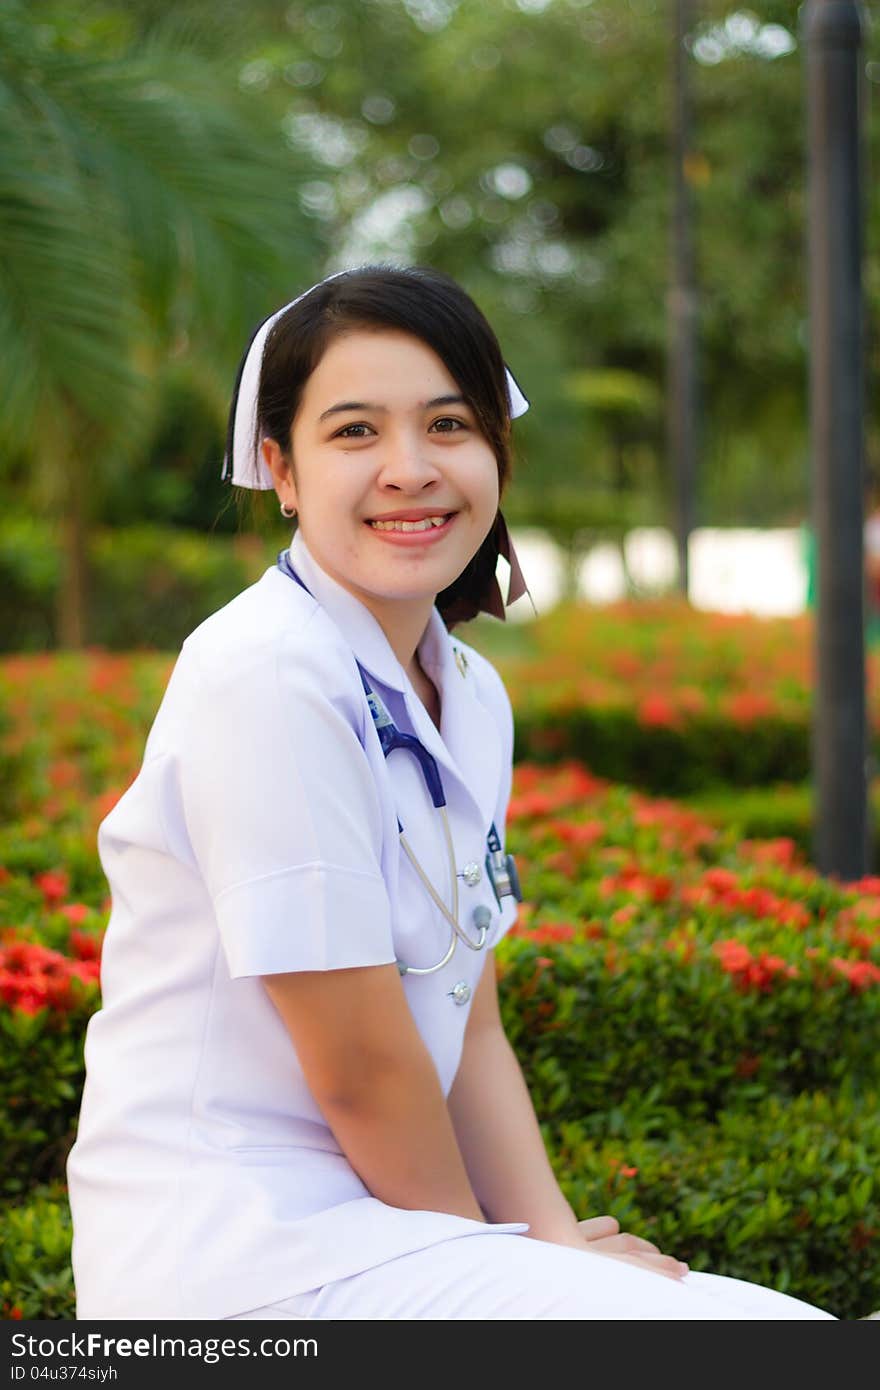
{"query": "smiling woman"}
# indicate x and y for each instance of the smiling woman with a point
(428, 348)
(394, 499)
(295, 1104)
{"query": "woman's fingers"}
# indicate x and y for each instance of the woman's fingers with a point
(597, 1227)
(630, 1245)
(660, 1264)
(603, 1234)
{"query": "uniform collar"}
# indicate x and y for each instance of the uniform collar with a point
(360, 629)
(468, 744)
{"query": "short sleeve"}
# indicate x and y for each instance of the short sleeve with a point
(282, 810)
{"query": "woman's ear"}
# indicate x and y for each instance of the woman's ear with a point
(280, 468)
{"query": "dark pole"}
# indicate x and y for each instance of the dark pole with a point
(682, 307)
(833, 33)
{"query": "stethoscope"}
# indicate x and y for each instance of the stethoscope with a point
(500, 867)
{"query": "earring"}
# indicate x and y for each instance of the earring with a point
(286, 513)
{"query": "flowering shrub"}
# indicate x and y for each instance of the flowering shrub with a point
(670, 988)
(657, 961)
(75, 730)
(36, 1280)
(666, 661)
(46, 998)
(662, 696)
(784, 1193)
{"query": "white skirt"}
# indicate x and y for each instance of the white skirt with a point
(515, 1277)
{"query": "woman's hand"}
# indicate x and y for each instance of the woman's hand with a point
(603, 1235)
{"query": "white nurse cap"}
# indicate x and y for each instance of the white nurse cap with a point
(242, 464)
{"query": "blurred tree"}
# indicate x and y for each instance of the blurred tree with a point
(628, 410)
(524, 147)
(146, 210)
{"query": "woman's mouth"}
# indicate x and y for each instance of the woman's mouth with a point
(424, 532)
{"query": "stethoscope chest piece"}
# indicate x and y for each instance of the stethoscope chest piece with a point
(501, 871)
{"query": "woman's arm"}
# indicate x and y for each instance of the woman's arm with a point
(376, 1084)
(497, 1128)
(500, 1140)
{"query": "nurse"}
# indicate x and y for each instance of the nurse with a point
(299, 1098)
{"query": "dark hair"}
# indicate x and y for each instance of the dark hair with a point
(433, 307)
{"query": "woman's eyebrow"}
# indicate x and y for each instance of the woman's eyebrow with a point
(365, 405)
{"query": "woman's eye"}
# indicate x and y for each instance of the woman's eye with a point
(449, 420)
(344, 434)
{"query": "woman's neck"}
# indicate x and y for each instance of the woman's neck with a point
(404, 625)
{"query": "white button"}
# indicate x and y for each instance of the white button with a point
(461, 992)
(471, 873)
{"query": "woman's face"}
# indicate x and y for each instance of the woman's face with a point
(371, 438)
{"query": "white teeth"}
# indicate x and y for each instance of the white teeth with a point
(424, 525)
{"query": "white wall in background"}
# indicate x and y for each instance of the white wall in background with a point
(749, 571)
(733, 569)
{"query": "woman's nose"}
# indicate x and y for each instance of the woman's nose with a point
(407, 461)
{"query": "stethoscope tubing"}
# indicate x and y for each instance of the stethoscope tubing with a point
(391, 738)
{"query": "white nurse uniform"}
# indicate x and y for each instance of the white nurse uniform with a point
(261, 836)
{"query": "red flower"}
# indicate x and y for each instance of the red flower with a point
(552, 931)
(582, 833)
(63, 772)
(782, 851)
(734, 955)
(75, 912)
(624, 915)
(625, 1171)
(695, 894)
(85, 970)
(33, 977)
(102, 805)
(720, 880)
(30, 1001)
(747, 706)
(54, 886)
(656, 712)
(859, 973)
(84, 945)
(792, 914)
(868, 887)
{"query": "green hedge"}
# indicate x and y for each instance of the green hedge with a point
(648, 1030)
(783, 809)
(785, 1194)
(709, 751)
(149, 586)
(703, 1009)
(36, 1280)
